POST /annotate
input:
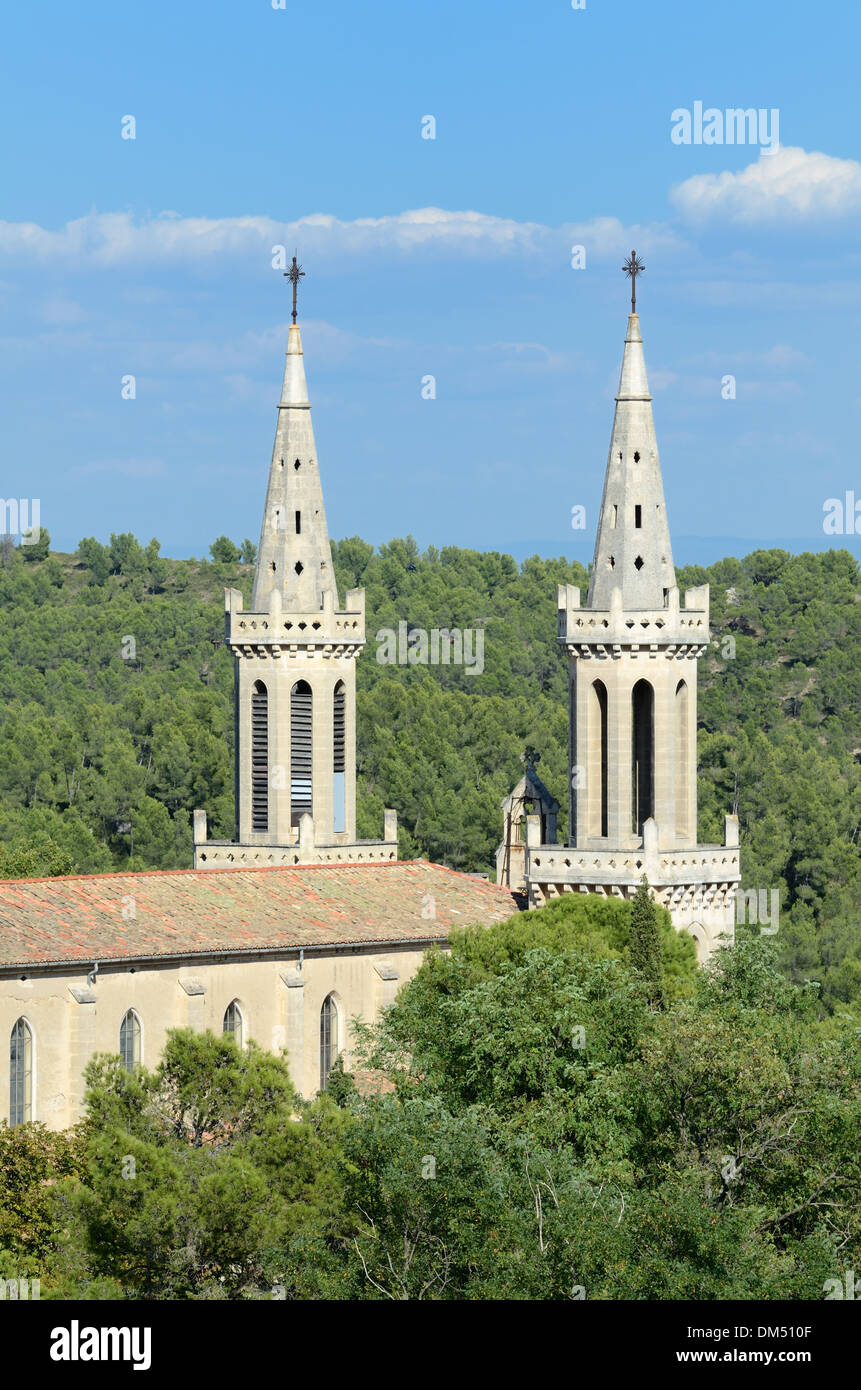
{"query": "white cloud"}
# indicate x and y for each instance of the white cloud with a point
(606, 237)
(118, 239)
(780, 356)
(788, 183)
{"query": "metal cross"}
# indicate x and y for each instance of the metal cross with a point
(294, 275)
(634, 267)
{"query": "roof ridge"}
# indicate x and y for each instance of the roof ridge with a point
(248, 869)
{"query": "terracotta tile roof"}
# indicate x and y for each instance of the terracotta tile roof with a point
(188, 912)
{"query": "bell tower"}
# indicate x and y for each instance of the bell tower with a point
(632, 655)
(295, 669)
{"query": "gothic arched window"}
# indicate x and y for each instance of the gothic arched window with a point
(130, 1040)
(339, 736)
(233, 1023)
(328, 1038)
(21, 1073)
(642, 755)
(301, 751)
(596, 777)
(259, 756)
(682, 759)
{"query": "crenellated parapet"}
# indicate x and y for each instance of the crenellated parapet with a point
(328, 631)
(672, 632)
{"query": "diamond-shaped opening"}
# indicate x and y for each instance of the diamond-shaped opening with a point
(639, 562)
(298, 567)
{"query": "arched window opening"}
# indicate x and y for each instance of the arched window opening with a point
(328, 1038)
(339, 737)
(643, 755)
(233, 1023)
(596, 776)
(130, 1040)
(21, 1074)
(682, 760)
(259, 757)
(301, 752)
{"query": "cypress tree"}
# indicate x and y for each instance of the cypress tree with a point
(645, 950)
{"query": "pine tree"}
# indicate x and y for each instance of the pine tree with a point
(645, 950)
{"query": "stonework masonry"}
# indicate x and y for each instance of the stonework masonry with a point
(295, 675)
(279, 999)
(632, 654)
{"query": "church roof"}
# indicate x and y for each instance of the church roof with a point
(192, 912)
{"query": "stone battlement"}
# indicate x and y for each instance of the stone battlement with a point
(673, 630)
(700, 865)
(222, 854)
(342, 632)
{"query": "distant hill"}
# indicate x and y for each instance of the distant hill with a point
(117, 714)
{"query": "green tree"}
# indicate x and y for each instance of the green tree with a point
(645, 954)
(224, 552)
(39, 858)
(198, 1177)
(95, 557)
(37, 549)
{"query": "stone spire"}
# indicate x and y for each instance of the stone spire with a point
(632, 547)
(295, 654)
(294, 559)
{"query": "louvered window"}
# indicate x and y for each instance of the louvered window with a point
(259, 757)
(339, 735)
(301, 751)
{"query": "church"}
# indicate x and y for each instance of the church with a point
(294, 927)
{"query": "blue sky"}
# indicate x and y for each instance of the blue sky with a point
(301, 126)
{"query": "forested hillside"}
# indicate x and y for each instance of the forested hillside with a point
(117, 715)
